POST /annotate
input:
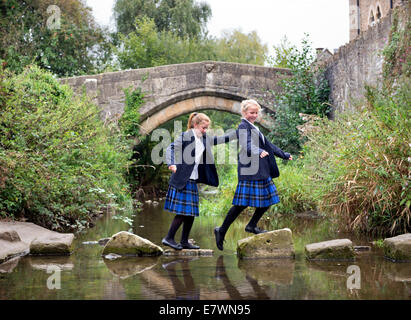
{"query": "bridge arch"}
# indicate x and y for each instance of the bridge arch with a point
(199, 102)
(173, 90)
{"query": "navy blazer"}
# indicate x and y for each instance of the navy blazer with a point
(250, 165)
(182, 154)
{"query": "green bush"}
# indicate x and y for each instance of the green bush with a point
(306, 91)
(359, 164)
(293, 188)
(59, 164)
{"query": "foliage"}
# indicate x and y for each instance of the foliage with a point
(79, 46)
(60, 165)
(183, 18)
(282, 54)
(235, 46)
(129, 121)
(359, 164)
(294, 189)
(397, 57)
(147, 47)
(306, 91)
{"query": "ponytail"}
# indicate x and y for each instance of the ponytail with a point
(196, 118)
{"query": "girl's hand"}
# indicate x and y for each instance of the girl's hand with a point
(263, 154)
(290, 158)
(173, 168)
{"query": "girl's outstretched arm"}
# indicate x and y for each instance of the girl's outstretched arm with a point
(280, 153)
(230, 136)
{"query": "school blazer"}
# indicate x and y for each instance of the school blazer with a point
(250, 165)
(182, 154)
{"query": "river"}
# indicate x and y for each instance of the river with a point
(85, 275)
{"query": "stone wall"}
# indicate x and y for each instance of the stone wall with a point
(358, 63)
(364, 13)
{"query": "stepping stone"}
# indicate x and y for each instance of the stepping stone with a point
(58, 244)
(11, 245)
(129, 244)
(339, 249)
(398, 248)
(272, 244)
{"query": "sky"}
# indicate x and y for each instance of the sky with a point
(326, 21)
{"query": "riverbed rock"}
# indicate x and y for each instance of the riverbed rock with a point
(11, 245)
(28, 232)
(398, 248)
(57, 244)
(338, 249)
(272, 244)
(103, 241)
(129, 244)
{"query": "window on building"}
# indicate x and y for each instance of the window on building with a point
(372, 19)
(378, 13)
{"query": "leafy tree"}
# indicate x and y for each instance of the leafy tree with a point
(235, 46)
(282, 54)
(147, 47)
(306, 91)
(77, 46)
(184, 18)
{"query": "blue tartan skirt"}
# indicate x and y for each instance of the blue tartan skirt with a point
(183, 201)
(256, 193)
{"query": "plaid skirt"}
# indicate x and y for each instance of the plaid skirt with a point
(183, 201)
(256, 193)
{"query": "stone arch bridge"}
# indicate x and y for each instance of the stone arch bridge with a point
(173, 90)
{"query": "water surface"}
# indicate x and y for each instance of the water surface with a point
(86, 275)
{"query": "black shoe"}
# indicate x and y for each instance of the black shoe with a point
(219, 239)
(188, 245)
(255, 230)
(171, 244)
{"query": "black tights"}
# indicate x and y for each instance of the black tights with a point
(235, 211)
(179, 219)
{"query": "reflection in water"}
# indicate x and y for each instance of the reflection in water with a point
(130, 266)
(44, 262)
(258, 291)
(186, 289)
(277, 271)
(9, 265)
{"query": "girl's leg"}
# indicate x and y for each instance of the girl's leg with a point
(169, 239)
(220, 232)
(232, 214)
(252, 225)
(188, 223)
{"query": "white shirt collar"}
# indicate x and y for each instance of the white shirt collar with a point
(195, 136)
(251, 123)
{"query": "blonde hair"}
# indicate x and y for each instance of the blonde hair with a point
(245, 104)
(196, 118)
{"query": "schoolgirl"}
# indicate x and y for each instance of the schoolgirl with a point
(191, 160)
(256, 169)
